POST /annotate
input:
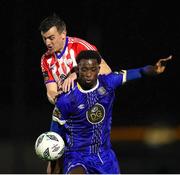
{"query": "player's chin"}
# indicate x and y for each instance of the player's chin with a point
(89, 84)
(50, 50)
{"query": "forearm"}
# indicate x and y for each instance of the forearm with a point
(133, 74)
(149, 70)
(51, 92)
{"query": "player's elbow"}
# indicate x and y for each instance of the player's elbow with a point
(50, 98)
(104, 68)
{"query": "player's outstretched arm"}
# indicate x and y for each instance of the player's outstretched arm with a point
(149, 70)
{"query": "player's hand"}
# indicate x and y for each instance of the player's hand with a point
(161, 64)
(69, 82)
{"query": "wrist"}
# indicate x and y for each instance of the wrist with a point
(148, 70)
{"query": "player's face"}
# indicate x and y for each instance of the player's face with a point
(88, 72)
(54, 40)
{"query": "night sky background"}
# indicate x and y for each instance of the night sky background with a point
(128, 34)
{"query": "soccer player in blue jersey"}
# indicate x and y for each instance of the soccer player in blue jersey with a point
(83, 116)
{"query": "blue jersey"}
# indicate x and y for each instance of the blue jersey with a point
(84, 117)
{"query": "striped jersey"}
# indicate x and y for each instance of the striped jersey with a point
(56, 66)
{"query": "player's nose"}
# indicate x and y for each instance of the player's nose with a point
(48, 42)
(88, 73)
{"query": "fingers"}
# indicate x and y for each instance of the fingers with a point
(163, 61)
(169, 57)
(68, 84)
(166, 59)
(65, 85)
(72, 83)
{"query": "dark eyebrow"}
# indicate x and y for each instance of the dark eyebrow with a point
(48, 36)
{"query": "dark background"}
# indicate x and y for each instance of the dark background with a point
(128, 34)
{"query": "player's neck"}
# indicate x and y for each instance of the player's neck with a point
(61, 51)
(87, 88)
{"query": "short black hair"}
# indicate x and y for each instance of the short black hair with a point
(51, 21)
(89, 54)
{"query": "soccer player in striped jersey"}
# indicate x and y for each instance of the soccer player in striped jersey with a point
(58, 62)
(83, 116)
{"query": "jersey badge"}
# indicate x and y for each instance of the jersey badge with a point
(101, 90)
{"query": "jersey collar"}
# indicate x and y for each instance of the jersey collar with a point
(87, 91)
(60, 54)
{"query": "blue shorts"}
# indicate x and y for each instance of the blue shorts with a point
(94, 163)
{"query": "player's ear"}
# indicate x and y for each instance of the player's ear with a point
(99, 68)
(63, 34)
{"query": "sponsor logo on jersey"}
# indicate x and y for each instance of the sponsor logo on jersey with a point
(81, 106)
(96, 114)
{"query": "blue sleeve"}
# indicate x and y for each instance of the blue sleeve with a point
(133, 74)
(116, 79)
(56, 127)
(113, 80)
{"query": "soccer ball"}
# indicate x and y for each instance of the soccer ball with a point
(49, 146)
